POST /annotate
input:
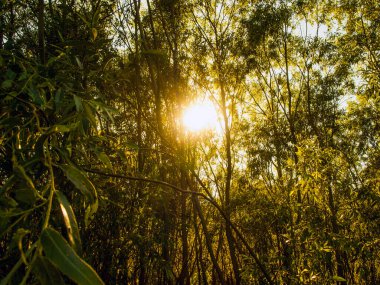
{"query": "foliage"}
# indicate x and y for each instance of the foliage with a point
(100, 183)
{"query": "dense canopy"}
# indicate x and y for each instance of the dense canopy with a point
(106, 177)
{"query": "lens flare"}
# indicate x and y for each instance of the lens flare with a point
(200, 116)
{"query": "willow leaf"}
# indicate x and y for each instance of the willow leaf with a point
(70, 222)
(59, 252)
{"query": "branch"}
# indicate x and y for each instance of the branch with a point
(212, 202)
(134, 178)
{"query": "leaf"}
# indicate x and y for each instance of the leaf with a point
(80, 181)
(6, 84)
(340, 279)
(155, 52)
(7, 202)
(59, 252)
(25, 195)
(95, 18)
(20, 172)
(84, 20)
(78, 103)
(89, 213)
(60, 128)
(46, 272)
(70, 222)
(89, 113)
(36, 96)
(94, 33)
(58, 96)
(79, 63)
(39, 146)
(105, 159)
(109, 111)
(17, 240)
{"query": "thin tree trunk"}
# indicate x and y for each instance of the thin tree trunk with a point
(227, 134)
(41, 31)
(198, 209)
(2, 23)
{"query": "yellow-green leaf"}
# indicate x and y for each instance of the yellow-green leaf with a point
(339, 279)
(80, 181)
(59, 252)
(105, 159)
(94, 33)
(89, 213)
(70, 222)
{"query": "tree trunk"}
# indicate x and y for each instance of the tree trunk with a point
(198, 209)
(229, 170)
(2, 23)
(41, 31)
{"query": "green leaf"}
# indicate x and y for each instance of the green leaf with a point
(70, 222)
(25, 195)
(36, 96)
(80, 181)
(46, 272)
(109, 111)
(17, 238)
(39, 145)
(7, 202)
(23, 76)
(84, 20)
(20, 172)
(59, 252)
(17, 241)
(80, 65)
(340, 279)
(105, 159)
(89, 213)
(78, 103)
(155, 52)
(89, 113)
(61, 128)
(6, 84)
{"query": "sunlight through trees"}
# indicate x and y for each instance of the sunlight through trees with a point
(189, 142)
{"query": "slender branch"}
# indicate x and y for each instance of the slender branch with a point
(135, 178)
(212, 202)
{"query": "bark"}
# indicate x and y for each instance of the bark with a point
(229, 170)
(198, 209)
(41, 31)
(2, 23)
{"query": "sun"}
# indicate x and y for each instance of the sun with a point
(200, 116)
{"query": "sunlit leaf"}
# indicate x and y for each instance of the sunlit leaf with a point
(339, 279)
(59, 252)
(90, 211)
(105, 159)
(94, 33)
(61, 128)
(70, 222)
